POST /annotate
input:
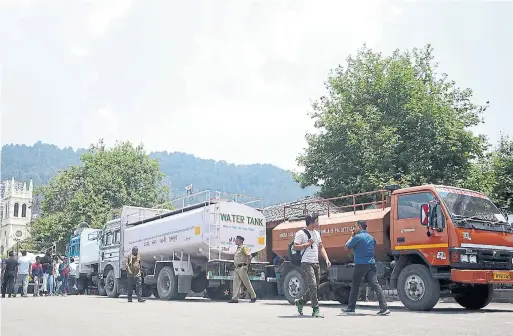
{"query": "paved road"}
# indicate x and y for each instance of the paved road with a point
(88, 315)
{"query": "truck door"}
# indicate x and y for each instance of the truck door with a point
(408, 235)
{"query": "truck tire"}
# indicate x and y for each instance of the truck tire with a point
(155, 293)
(199, 283)
(294, 285)
(111, 285)
(101, 289)
(475, 297)
(417, 289)
(167, 284)
(219, 293)
(146, 291)
(342, 294)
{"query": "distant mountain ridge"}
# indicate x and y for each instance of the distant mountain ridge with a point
(41, 162)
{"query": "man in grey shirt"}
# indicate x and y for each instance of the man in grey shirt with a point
(24, 264)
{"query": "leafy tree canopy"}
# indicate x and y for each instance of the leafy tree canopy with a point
(97, 190)
(391, 119)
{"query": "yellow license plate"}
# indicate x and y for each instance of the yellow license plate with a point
(501, 276)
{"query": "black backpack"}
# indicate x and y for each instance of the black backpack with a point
(294, 255)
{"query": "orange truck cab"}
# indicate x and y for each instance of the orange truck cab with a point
(431, 241)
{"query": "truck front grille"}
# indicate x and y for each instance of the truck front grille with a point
(499, 260)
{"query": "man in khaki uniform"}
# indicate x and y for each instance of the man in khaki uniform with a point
(134, 275)
(241, 261)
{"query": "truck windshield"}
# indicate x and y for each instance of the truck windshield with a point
(469, 206)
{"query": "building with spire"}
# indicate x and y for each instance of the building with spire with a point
(16, 214)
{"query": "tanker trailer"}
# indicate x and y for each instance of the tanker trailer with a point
(335, 229)
(187, 249)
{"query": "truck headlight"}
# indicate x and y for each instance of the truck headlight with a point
(464, 258)
(473, 259)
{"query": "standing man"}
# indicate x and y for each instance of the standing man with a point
(24, 266)
(46, 263)
(311, 244)
(241, 261)
(9, 273)
(37, 275)
(72, 276)
(133, 269)
(363, 245)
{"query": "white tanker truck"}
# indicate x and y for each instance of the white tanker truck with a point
(187, 249)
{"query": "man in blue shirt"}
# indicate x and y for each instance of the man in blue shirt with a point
(363, 245)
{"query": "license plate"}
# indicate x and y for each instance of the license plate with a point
(501, 276)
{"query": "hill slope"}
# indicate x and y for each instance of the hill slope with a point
(41, 162)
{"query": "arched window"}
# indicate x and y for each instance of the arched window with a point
(16, 209)
(24, 210)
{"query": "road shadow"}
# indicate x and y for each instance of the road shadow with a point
(442, 311)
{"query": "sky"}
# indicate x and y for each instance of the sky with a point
(228, 80)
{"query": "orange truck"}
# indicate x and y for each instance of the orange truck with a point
(432, 241)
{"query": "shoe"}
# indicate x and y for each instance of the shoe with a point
(299, 306)
(317, 313)
(141, 300)
(233, 301)
(253, 300)
(383, 312)
(348, 311)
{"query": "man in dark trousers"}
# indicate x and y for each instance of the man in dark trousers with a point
(134, 275)
(363, 245)
(10, 274)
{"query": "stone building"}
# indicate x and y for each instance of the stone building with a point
(16, 214)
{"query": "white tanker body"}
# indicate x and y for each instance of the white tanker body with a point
(205, 233)
(188, 249)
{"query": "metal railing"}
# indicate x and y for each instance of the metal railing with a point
(328, 205)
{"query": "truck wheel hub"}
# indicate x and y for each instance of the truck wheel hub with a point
(294, 287)
(414, 288)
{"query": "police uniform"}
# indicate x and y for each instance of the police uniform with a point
(240, 274)
(133, 269)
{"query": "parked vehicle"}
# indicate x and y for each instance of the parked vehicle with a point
(186, 249)
(432, 241)
(84, 248)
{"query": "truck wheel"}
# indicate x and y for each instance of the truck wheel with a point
(417, 289)
(294, 286)
(342, 294)
(101, 289)
(167, 284)
(146, 291)
(111, 285)
(475, 297)
(220, 293)
(199, 283)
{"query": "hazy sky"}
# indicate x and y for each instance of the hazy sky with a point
(229, 80)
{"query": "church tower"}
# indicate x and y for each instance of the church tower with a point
(16, 213)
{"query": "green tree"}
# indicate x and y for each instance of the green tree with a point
(96, 191)
(502, 162)
(387, 120)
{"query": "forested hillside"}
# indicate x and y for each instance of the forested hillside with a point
(42, 161)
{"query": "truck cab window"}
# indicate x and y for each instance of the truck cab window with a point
(108, 238)
(117, 237)
(408, 206)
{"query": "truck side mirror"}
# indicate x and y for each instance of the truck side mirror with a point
(425, 214)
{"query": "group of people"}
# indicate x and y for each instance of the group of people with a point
(51, 275)
(361, 242)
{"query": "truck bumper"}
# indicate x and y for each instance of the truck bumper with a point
(482, 276)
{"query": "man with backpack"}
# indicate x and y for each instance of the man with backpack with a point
(308, 242)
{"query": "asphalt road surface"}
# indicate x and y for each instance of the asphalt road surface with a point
(92, 315)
